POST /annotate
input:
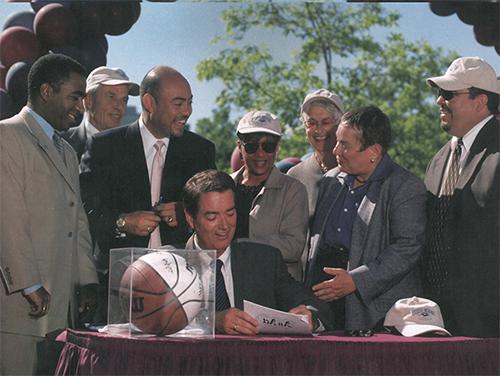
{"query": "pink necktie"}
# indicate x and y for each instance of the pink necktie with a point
(156, 173)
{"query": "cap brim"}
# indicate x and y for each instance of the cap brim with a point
(133, 87)
(449, 83)
(321, 97)
(418, 329)
(257, 130)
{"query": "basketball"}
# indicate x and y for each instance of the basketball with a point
(161, 293)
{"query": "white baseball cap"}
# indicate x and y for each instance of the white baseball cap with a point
(259, 122)
(323, 94)
(466, 72)
(415, 316)
(111, 77)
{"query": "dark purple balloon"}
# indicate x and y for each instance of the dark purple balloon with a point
(3, 73)
(121, 16)
(38, 4)
(24, 18)
(89, 53)
(16, 82)
(91, 17)
(443, 8)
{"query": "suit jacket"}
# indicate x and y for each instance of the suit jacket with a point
(472, 287)
(44, 236)
(114, 180)
(279, 217)
(260, 276)
(386, 243)
(77, 138)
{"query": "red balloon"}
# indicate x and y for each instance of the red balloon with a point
(18, 43)
(55, 25)
(121, 16)
(236, 161)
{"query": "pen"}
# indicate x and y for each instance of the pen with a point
(311, 308)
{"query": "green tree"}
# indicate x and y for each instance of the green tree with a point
(336, 50)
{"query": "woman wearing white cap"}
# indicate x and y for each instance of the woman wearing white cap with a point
(271, 207)
(320, 114)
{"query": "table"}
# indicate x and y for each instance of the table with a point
(101, 354)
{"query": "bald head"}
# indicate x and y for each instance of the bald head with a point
(166, 101)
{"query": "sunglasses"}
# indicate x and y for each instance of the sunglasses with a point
(268, 147)
(447, 95)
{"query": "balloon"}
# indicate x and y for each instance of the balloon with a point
(16, 82)
(89, 53)
(443, 9)
(3, 73)
(91, 17)
(285, 164)
(18, 43)
(121, 16)
(24, 19)
(55, 25)
(39, 4)
(236, 161)
(6, 106)
(486, 34)
(469, 13)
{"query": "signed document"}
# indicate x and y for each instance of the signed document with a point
(272, 321)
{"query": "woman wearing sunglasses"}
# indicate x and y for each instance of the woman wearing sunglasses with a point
(271, 207)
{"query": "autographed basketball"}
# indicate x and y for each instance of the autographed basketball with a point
(161, 293)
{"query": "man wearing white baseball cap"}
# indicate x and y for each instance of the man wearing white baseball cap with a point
(105, 104)
(461, 259)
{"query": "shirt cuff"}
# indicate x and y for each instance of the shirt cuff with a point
(31, 289)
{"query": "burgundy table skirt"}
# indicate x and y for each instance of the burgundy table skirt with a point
(88, 353)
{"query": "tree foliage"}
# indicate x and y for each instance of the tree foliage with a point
(336, 49)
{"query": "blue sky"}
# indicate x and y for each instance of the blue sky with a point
(179, 34)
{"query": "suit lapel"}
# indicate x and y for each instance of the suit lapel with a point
(477, 151)
(238, 275)
(136, 163)
(49, 149)
(434, 175)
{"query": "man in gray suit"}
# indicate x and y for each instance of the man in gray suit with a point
(105, 104)
(368, 230)
(248, 270)
(45, 247)
(461, 258)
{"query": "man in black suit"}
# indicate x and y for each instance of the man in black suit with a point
(250, 271)
(463, 183)
(117, 170)
(105, 104)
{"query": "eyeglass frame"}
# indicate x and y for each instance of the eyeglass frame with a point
(265, 146)
(449, 94)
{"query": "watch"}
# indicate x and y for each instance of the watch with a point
(120, 223)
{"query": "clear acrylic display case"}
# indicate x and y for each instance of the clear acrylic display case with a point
(158, 292)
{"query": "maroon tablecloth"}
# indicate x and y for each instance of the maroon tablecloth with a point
(90, 353)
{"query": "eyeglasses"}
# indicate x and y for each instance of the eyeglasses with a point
(268, 147)
(310, 123)
(447, 95)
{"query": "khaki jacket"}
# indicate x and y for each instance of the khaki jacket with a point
(44, 236)
(280, 217)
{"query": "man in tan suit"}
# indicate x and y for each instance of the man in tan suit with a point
(45, 247)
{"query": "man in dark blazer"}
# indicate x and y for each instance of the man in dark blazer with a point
(251, 271)
(105, 104)
(116, 171)
(461, 258)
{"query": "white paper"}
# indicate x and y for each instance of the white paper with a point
(273, 321)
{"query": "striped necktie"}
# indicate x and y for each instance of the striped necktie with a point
(221, 297)
(58, 143)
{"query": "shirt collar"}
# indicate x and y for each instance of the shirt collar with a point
(148, 139)
(382, 170)
(47, 128)
(470, 136)
(225, 257)
(90, 130)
